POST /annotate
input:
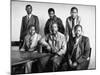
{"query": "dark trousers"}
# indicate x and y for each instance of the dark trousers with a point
(50, 63)
(81, 66)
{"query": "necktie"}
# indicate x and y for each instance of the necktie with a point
(77, 52)
(73, 23)
(30, 42)
(76, 49)
(28, 18)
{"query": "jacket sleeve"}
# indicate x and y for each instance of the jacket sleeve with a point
(61, 26)
(24, 44)
(79, 19)
(67, 29)
(46, 28)
(86, 53)
(22, 29)
(37, 24)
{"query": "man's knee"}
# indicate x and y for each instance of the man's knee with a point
(43, 61)
(56, 60)
(29, 63)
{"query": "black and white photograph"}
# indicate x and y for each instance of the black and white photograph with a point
(52, 37)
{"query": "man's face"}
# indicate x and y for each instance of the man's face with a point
(78, 31)
(28, 10)
(32, 30)
(74, 13)
(51, 14)
(54, 28)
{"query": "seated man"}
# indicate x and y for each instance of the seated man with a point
(56, 45)
(31, 43)
(78, 50)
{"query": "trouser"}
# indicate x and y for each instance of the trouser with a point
(56, 62)
(28, 67)
(50, 63)
(21, 44)
(81, 66)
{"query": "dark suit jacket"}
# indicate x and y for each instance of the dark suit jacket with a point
(25, 24)
(69, 26)
(50, 21)
(84, 47)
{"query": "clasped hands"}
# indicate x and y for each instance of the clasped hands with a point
(52, 49)
(72, 64)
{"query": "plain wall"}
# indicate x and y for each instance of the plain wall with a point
(87, 14)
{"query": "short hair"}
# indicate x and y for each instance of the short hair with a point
(31, 27)
(29, 6)
(76, 26)
(51, 9)
(74, 8)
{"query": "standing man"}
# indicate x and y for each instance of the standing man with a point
(71, 21)
(53, 18)
(79, 50)
(28, 20)
(56, 45)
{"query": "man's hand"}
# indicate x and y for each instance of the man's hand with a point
(54, 50)
(31, 49)
(22, 49)
(48, 47)
(70, 62)
(53, 58)
(74, 64)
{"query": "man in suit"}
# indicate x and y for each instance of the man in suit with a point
(31, 44)
(53, 18)
(78, 50)
(56, 45)
(28, 20)
(71, 21)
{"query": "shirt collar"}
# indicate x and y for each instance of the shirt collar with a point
(78, 39)
(74, 18)
(29, 15)
(54, 35)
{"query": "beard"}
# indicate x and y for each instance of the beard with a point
(32, 33)
(54, 32)
(78, 35)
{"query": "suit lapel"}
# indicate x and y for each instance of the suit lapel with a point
(81, 44)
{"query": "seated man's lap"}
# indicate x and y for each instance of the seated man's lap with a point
(47, 61)
(57, 60)
(83, 66)
(44, 61)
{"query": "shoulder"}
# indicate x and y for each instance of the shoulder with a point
(61, 35)
(34, 16)
(85, 38)
(78, 17)
(58, 18)
(27, 36)
(24, 17)
(68, 18)
(48, 20)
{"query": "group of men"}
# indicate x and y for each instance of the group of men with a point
(62, 43)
